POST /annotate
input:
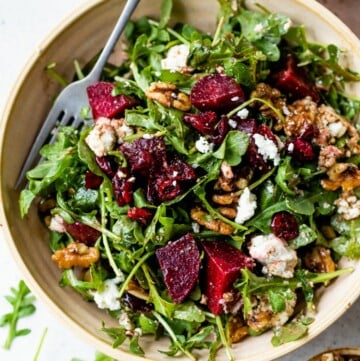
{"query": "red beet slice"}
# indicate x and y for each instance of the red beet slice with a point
(104, 104)
(92, 181)
(300, 150)
(223, 263)
(216, 92)
(180, 265)
(82, 233)
(141, 215)
(284, 225)
(203, 122)
(123, 184)
(294, 82)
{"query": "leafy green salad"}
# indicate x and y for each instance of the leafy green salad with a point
(214, 186)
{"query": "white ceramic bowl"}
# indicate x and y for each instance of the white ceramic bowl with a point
(80, 37)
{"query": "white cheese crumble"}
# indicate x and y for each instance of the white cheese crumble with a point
(337, 129)
(243, 113)
(102, 138)
(57, 224)
(259, 28)
(203, 145)
(287, 25)
(267, 148)
(176, 58)
(277, 258)
(108, 298)
(246, 206)
(232, 123)
(348, 207)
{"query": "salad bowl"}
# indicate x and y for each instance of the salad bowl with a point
(82, 36)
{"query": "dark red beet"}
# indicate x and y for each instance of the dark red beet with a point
(123, 187)
(82, 233)
(309, 133)
(107, 165)
(284, 225)
(145, 155)
(136, 304)
(141, 215)
(180, 265)
(265, 131)
(104, 104)
(162, 188)
(293, 81)
(179, 170)
(92, 181)
(223, 263)
(255, 160)
(301, 150)
(216, 92)
(247, 126)
(221, 130)
(203, 122)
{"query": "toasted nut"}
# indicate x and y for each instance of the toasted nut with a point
(237, 329)
(168, 95)
(319, 260)
(76, 255)
(134, 289)
(228, 212)
(225, 199)
(204, 219)
(47, 205)
(344, 175)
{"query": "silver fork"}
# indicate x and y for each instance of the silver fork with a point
(67, 107)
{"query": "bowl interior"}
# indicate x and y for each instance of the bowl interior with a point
(80, 37)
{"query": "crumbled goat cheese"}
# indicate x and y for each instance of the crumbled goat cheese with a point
(121, 129)
(176, 58)
(267, 148)
(232, 123)
(203, 146)
(277, 258)
(57, 224)
(246, 206)
(243, 113)
(195, 227)
(108, 298)
(102, 138)
(348, 207)
(286, 110)
(287, 25)
(259, 28)
(290, 147)
(337, 129)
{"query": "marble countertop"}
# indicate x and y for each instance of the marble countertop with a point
(23, 25)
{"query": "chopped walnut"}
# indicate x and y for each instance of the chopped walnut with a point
(134, 289)
(328, 156)
(225, 199)
(319, 260)
(168, 95)
(228, 212)
(237, 329)
(204, 219)
(348, 206)
(261, 317)
(344, 175)
(76, 255)
(274, 97)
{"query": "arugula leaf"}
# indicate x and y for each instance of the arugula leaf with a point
(21, 301)
(289, 332)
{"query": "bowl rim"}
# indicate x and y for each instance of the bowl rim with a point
(315, 7)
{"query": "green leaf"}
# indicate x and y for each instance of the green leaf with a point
(305, 237)
(165, 12)
(290, 332)
(277, 300)
(135, 347)
(233, 147)
(118, 334)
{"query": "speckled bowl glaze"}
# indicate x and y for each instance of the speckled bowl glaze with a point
(80, 37)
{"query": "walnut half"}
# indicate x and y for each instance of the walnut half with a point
(76, 255)
(168, 95)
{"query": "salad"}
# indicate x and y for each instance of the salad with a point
(214, 188)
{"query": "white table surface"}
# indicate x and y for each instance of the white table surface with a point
(23, 25)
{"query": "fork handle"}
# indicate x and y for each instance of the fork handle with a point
(128, 9)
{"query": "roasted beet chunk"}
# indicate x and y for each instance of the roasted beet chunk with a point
(221, 130)
(104, 104)
(247, 126)
(284, 225)
(294, 82)
(301, 150)
(141, 215)
(92, 181)
(145, 155)
(180, 264)
(216, 92)
(107, 165)
(203, 122)
(123, 185)
(223, 263)
(82, 233)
